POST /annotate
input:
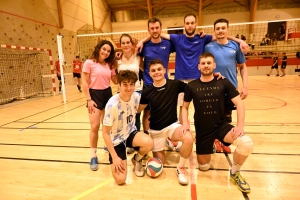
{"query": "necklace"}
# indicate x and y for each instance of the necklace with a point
(128, 57)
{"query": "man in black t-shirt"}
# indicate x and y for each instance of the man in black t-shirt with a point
(283, 64)
(274, 65)
(208, 96)
(162, 98)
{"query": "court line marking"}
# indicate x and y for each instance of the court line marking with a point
(246, 123)
(171, 167)
(51, 122)
(92, 189)
(40, 112)
(75, 129)
(271, 83)
(87, 147)
(193, 177)
(230, 163)
(54, 116)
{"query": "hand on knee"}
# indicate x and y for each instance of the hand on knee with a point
(188, 139)
(244, 145)
(204, 167)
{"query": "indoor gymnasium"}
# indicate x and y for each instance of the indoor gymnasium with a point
(58, 129)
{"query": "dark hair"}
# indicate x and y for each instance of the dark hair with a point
(206, 55)
(126, 75)
(126, 35)
(110, 58)
(154, 20)
(190, 14)
(155, 61)
(222, 20)
(77, 56)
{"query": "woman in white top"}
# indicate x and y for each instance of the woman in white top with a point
(131, 61)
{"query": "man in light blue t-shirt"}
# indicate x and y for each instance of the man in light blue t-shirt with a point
(228, 57)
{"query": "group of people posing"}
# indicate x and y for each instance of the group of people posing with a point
(214, 98)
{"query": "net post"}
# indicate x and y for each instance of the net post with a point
(61, 60)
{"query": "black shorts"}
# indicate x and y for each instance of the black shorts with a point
(100, 97)
(76, 75)
(274, 67)
(148, 106)
(283, 66)
(121, 148)
(205, 140)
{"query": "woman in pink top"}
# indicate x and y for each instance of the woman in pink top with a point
(96, 75)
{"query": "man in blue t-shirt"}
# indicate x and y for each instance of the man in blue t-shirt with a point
(228, 56)
(155, 48)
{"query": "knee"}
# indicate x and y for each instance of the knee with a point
(204, 167)
(148, 143)
(188, 139)
(95, 128)
(244, 145)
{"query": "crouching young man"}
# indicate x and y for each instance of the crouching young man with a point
(208, 96)
(119, 130)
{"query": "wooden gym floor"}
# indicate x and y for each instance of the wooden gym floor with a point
(44, 152)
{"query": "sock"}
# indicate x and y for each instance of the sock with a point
(182, 162)
(235, 167)
(138, 157)
(79, 87)
(93, 152)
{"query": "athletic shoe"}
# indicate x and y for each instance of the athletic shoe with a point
(268, 74)
(182, 175)
(178, 147)
(240, 182)
(138, 168)
(218, 146)
(226, 149)
(130, 150)
(169, 144)
(214, 148)
(80, 90)
(282, 75)
(94, 164)
(277, 74)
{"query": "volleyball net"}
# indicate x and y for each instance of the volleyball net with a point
(283, 36)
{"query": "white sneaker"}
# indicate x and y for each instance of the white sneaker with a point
(129, 150)
(179, 145)
(138, 168)
(169, 144)
(182, 176)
